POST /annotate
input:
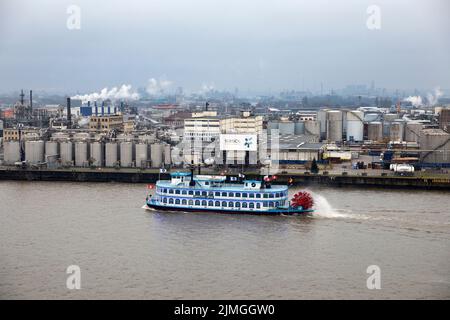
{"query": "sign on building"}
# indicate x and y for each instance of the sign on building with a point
(238, 142)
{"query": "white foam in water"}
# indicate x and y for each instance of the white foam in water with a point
(324, 209)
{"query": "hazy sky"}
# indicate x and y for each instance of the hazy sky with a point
(250, 44)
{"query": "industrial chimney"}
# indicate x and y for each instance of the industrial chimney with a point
(69, 115)
(31, 101)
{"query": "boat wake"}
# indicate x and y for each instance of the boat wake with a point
(325, 210)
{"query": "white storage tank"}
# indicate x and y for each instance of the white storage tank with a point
(81, 154)
(322, 119)
(11, 151)
(141, 155)
(355, 125)
(334, 125)
(396, 131)
(111, 154)
(412, 131)
(66, 152)
(51, 151)
(312, 128)
(375, 131)
(156, 155)
(34, 151)
(96, 152)
(126, 154)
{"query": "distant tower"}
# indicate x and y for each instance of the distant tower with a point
(31, 101)
(69, 114)
(21, 97)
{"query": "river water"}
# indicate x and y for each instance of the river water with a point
(124, 251)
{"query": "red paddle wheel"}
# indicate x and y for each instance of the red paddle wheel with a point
(302, 199)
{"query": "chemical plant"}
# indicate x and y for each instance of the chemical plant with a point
(224, 134)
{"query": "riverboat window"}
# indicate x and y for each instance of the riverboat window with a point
(244, 195)
(206, 183)
(238, 194)
(224, 203)
(197, 193)
(170, 191)
(224, 194)
(177, 201)
(230, 204)
(177, 191)
(258, 195)
(184, 192)
(271, 204)
(265, 204)
(217, 204)
(204, 203)
(251, 195)
(204, 193)
(164, 200)
(191, 192)
(251, 205)
(171, 201)
(244, 205)
(271, 195)
(184, 202)
(258, 205)
(231, 194)
(191, 202)
(210, 203)
(266, 195)
(238, 205)
(217, 194)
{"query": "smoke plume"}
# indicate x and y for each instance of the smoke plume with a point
(433, 99)
(155, 87)
(123, 93)
(416, 101)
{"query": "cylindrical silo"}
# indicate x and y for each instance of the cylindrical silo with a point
(334, 125)
(66, 152)
(322, 119)
(396, 131)
(412, 131)
(126, 154)
(51, 151)
(375, 131)
(299, 127)
(141, 155)
(168, 156)
(286, 127)
(96, 149)
(34, 151)
(111, 154)
(11, 151)
(312, 128)
(355, 125)
(81, 154)
(156, 154)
